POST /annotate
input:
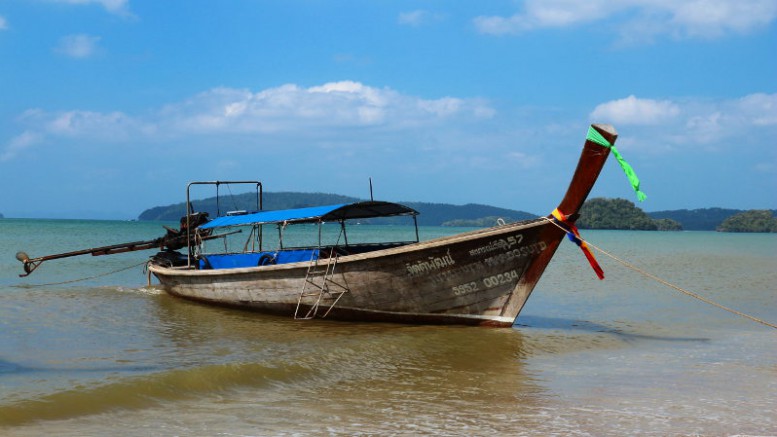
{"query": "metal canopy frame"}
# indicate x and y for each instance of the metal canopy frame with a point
(189, 209)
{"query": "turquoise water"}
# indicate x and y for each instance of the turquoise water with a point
(621, 356)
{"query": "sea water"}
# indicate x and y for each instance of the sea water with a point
(87, 347)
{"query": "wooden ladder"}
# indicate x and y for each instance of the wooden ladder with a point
(318, 283)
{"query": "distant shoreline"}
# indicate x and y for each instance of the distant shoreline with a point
(431, 214)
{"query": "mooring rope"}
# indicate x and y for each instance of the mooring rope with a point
(89, 277)
(667, 283)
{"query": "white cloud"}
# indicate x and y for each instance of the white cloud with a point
(711, 122)
(288, 109)
(632, 110)
(335, 104)
(3, 23)
(104, 126)
(548, 13)
(118, 7)
(353, 111)
(703, 128)
(19, 143)
(713, 17)
(667, 125)
(760, 108)
(640, 19)
(78, 46)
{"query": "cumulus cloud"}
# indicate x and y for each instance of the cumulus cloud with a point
(287, 109)
(641, 19)
(78, 46)
(709, 122)
(760, 108)
(632, 110)
(334, 104)
(692, 122)
(713, 17)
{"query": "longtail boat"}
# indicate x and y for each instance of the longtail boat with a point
(481, 277)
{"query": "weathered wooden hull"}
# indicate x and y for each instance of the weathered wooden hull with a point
(482, 277)
(478, 278)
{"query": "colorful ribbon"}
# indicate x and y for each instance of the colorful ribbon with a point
(574, 236)
(596, 137)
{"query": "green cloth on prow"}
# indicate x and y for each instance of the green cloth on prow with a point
(596, 137)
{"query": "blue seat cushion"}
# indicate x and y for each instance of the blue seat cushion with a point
(236, 260)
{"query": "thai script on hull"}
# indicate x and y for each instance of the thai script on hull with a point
(430, 265)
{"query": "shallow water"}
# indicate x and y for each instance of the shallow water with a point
(587, 357)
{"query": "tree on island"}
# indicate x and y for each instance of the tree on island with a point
(750, 221)
(601, 213)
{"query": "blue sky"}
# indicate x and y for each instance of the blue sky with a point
(109, 107)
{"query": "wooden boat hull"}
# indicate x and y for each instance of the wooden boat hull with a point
(477, 278)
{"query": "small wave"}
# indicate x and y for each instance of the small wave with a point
(150, 291)
(147, 391)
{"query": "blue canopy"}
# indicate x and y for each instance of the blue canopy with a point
(343, 211)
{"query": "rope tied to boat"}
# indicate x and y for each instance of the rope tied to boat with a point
(667, 283)
(113, 272)
(562, 221)
(596, 137)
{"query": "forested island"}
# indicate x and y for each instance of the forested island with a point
(598, 213)
(601, 213)
(750, 221)
(705, 219)
(431, 214)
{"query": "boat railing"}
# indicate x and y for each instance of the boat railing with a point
(225, 260)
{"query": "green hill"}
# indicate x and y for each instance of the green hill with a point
(706, 219)
(471, 214)
(601, 213)
(750, 221)
(596, 213)
(431, 214)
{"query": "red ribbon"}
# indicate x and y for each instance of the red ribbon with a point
(574, 236)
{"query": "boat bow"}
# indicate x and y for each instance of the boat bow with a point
(591, 162)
